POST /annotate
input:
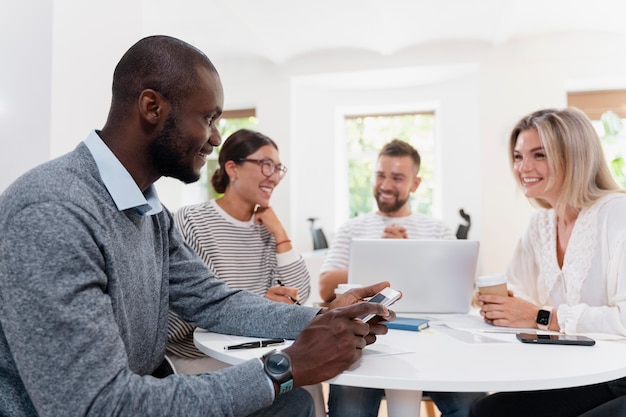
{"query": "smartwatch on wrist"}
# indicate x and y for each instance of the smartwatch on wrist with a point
(277, 366)
(543, 318)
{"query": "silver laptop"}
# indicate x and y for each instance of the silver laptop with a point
(434, 276)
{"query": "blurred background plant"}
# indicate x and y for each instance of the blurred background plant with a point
(614, 142)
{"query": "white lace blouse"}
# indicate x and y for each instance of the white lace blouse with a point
(589, 291)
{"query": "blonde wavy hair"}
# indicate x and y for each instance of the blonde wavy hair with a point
(573, 152)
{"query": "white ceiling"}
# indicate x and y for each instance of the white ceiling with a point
(280, 30)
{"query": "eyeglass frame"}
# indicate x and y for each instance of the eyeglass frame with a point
(282, 170)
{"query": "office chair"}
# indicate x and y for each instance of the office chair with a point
(319, 239)
(429, 406)
(165, 369)
(463, 230)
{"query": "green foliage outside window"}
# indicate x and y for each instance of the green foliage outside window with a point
(610, 130)
(367, 135)
(226, 127)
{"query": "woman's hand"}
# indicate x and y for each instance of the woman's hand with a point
(508, 311)
(268, 218)
(282, 294)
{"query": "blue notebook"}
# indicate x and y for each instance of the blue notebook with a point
(408, 323)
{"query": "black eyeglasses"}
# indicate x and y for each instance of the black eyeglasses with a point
(268, 167)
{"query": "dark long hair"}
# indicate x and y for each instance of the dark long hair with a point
(237, 146)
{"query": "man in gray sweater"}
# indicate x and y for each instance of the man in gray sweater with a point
(90, 263)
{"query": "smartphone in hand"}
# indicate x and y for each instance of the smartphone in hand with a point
(555, 339)
(386, 297)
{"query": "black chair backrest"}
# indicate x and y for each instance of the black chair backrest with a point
(319, 238)
(462, 232)
(463, 229)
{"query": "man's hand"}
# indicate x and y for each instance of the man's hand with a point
(356, 295)
(394, 232)
(332, 342)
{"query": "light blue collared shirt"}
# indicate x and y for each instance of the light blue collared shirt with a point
(118, 181)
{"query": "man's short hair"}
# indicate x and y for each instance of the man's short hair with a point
(162, 63)
(399, 147)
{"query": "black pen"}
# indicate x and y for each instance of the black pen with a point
(257, 344)
(286, 295)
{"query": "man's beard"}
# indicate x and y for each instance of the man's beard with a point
(389, 207)
(167, 153)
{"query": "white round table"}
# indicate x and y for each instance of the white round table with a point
(405, 363)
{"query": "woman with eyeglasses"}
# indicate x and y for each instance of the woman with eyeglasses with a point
(240, 237)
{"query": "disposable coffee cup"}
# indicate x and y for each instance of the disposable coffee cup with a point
(342, 288)
(492, 285)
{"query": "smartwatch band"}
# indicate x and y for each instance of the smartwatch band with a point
(277, 366)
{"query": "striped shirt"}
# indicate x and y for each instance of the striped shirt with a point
(241, 253)
(371, 226)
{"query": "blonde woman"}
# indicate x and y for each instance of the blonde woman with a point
(568, 272)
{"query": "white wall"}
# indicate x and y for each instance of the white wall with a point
(55, 88)
(89, 39)
(25, 72)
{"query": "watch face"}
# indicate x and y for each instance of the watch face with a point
(278, 363)
(543, 317)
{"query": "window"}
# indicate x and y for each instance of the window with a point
(595, 103)
(607, 111)
(230, 122)
(367, 134)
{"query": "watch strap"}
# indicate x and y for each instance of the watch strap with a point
(285, 386)
(284, 382)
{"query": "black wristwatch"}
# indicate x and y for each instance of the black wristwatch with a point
(543, 318)
(277, 365)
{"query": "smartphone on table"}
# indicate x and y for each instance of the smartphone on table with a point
(386, 297)
(555, 339)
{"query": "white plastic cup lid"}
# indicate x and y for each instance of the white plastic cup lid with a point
(341, 288)
(489, 280)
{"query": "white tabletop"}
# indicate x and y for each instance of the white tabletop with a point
(463, 357)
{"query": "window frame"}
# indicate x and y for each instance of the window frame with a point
(371, 157)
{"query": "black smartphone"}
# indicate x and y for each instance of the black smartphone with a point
(555, 339)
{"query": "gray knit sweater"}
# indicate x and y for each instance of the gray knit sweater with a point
(84, 295)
